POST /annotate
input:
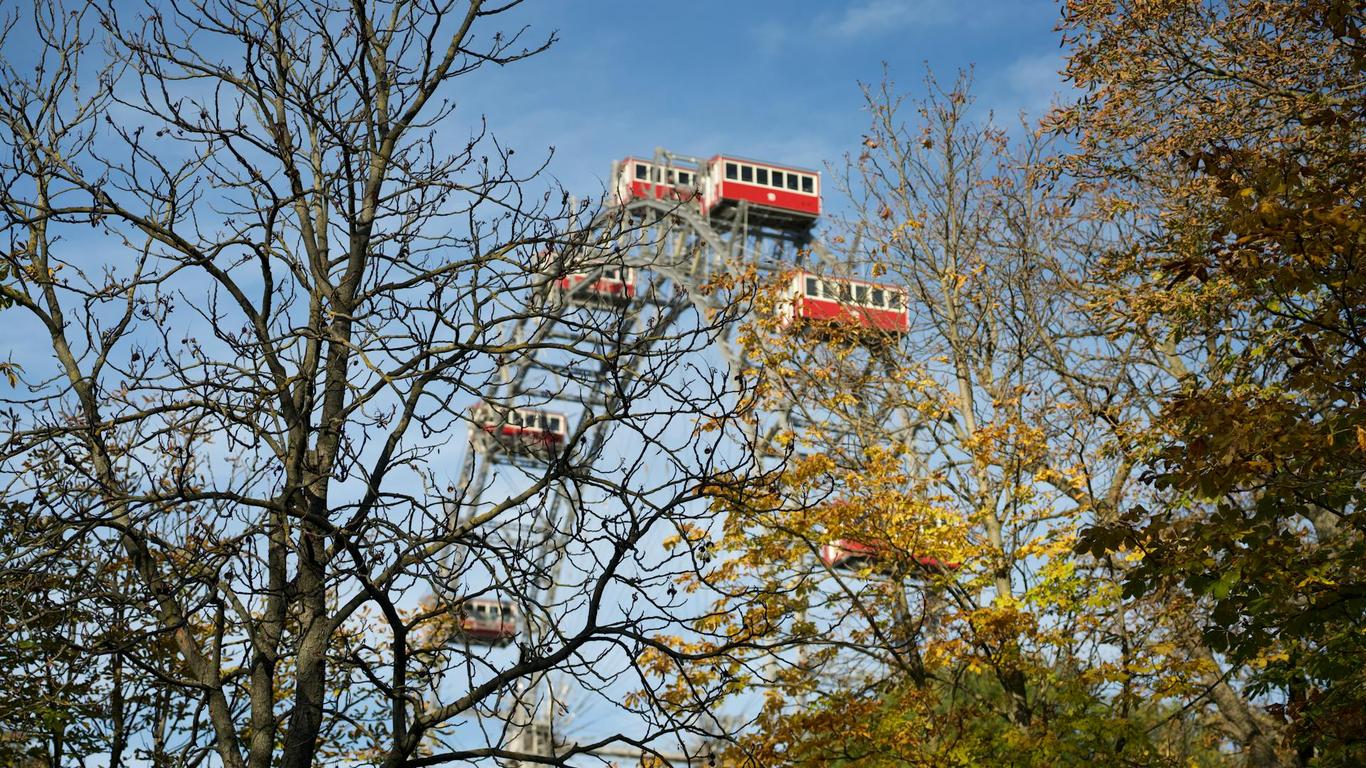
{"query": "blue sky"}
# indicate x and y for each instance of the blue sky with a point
(772, 79)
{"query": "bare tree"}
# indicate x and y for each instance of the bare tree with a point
(275, 280)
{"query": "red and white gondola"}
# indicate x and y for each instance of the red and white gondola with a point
(791, 195)
(489, 622)
(637, 179)
(521, 430)
(875, 307)
(608, 285)
(850, 555)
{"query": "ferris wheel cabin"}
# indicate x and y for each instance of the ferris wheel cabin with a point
(637, 179)
(777, 195)
(873, 307)
(850, 555)
(489, 622)
(521, 430)
(609, 285)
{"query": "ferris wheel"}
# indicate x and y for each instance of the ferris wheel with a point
(674, 226)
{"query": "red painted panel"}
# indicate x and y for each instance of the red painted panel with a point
(844, 553)
(602, 286)
(525, 434)
(771, 197)
(847, 553)
(532, 434)
(891, 320)
(642, 189)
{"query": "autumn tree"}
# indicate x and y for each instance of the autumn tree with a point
(954, 465)
(1233, 133)
(53, 702)
(266, 267)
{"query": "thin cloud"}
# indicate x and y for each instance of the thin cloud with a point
(771, 37)
(876, 17)
(869, 18)
(1032, 84)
